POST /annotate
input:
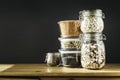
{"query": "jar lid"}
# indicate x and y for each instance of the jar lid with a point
(69, 39)
(69, 51)
(96, 12)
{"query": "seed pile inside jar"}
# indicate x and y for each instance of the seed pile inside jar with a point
(92, 24)
(72, 44)
(93, 55)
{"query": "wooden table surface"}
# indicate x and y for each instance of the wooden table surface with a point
(44, 70)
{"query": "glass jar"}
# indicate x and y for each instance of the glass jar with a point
(70, 58)
(52, 59)
(70, 43)
(91, 20)
(93, 51)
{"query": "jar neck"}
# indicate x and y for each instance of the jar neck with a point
(93, 39)
(92, 42)
(92, 36)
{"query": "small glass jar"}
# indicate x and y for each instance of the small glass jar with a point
(93, 51)
(52, 59)
(91, 20)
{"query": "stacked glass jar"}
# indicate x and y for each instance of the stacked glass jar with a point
(92, 48)
(70, 42)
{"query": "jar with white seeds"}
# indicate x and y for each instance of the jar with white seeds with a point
(92, 20)
(70, 43)
(93, 50)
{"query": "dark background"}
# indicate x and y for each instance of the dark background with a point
(28, 30)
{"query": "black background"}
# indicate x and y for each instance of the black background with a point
(29, 29)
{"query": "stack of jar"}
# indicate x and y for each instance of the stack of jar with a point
(92, 48)
(70, 42)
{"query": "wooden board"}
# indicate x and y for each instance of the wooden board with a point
(44, 70)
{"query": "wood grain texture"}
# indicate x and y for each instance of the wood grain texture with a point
(43, 70)
(80, 78)
(16, 79)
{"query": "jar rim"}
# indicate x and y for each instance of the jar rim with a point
(68, 21)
